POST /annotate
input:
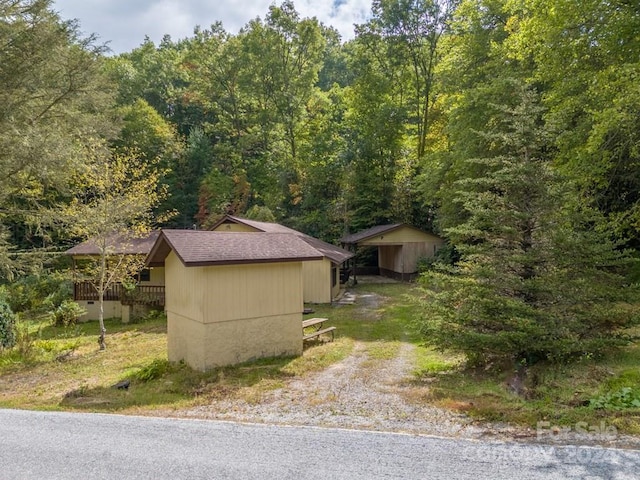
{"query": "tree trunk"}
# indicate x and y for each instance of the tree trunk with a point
(103, 330)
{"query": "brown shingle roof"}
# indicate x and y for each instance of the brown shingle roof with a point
(370, 232)
(201, 247)
(332, 252)
(118, 244)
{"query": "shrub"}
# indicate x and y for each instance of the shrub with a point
(7, 326)
(66, 314)
(40, 293)
(155, 369)
(621, 399)
(447, 255)
(25, 343)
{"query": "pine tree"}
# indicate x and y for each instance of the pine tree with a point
(536, 281)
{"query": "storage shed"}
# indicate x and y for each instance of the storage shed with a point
(321, 278)
(400, 246)
(231, 297)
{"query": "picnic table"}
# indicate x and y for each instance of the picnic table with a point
(317, 326)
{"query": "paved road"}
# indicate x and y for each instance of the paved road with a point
(44, 445)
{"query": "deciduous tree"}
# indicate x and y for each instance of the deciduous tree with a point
(114, 201)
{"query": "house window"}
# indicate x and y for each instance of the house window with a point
(334, 276)
(145, 275)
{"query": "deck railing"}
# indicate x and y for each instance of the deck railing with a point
(141, 295)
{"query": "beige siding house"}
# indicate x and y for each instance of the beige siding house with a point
(321, 278)
(150, 282)
(232, 297)
(400, 246)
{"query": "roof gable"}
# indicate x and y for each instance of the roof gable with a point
(266, 227)
(202, 247)
(378, 230)
(332, 252)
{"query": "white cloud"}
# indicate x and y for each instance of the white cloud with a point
(342, 15)
(124, 23)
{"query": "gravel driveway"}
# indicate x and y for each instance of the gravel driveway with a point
(358, 392)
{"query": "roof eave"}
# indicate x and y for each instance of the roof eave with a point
(250, 261)
(161, 241)
(391, 228)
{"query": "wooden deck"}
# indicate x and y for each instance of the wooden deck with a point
(141, 295)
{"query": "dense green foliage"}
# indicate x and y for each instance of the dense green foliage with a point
(522, 187)
(7, 326)
(532, 284)
(35, 295)
(53, 101)
(509, 127)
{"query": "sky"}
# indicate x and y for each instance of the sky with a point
(124, 23)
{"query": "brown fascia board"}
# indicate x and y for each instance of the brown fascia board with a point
(251, 261)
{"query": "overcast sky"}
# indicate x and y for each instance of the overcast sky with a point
(124, 23)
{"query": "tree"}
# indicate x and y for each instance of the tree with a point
(586, 53)
(411, 30)
(113, 204)
(149, 134)
(396, 59)
(284, 54)
(7, 325)
(53, 99)
(374, 132)
(536, 282)
(160, 76)
(474, 76)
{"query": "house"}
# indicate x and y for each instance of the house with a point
(149, 289)
(321, 278)
(399, 246)
(232, 297)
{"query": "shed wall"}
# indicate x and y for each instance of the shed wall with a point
(390, 258)
(222, 315)
(234, 227)
(317, 281)
(335, 281)
(317, 284)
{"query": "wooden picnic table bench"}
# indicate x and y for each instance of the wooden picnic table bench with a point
(317, 324)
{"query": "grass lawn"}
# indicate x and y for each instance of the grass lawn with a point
(64, 370)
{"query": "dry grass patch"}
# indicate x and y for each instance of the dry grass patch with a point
(64, 361)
